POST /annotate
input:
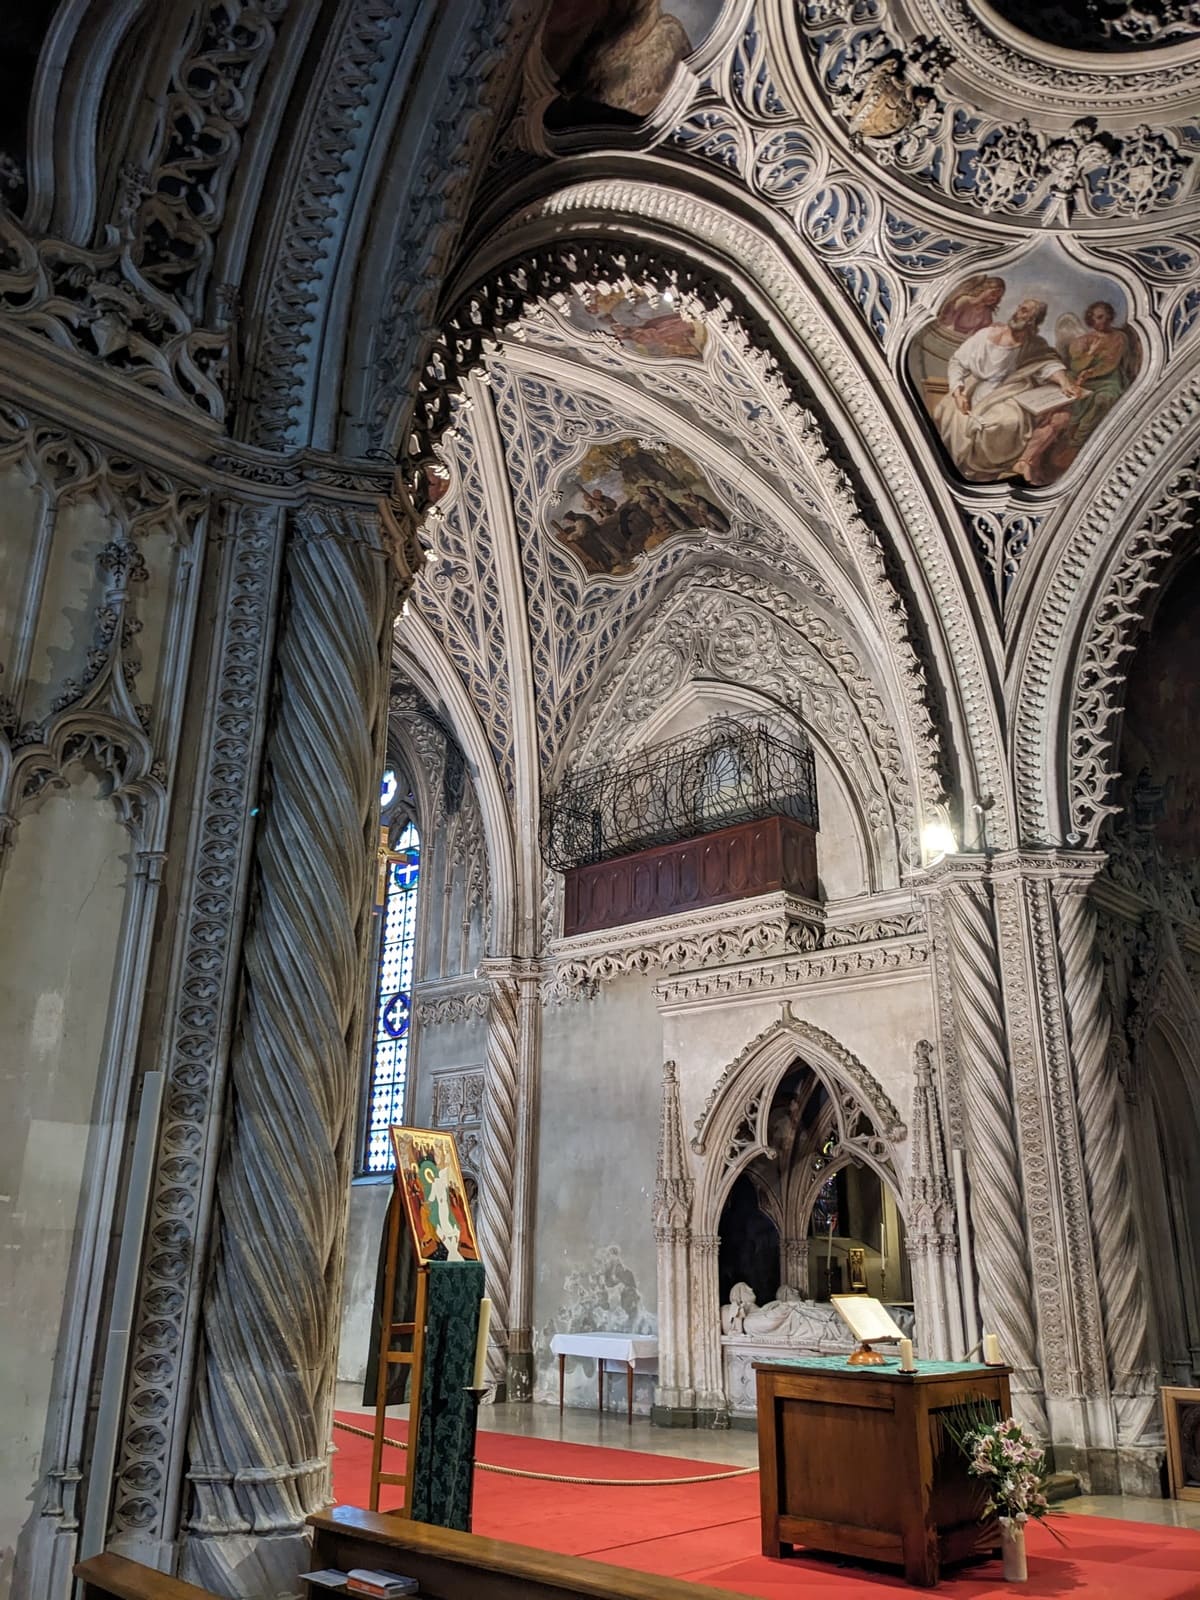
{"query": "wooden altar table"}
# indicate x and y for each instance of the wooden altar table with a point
(854, 1460)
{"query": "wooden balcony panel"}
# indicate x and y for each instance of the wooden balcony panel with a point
(738, 863)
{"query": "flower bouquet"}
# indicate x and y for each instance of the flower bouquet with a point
(1013, 1467)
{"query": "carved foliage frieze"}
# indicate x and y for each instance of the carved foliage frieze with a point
(770, 925)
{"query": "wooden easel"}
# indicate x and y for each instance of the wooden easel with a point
(389, 1357)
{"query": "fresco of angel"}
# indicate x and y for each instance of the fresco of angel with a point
(1101, 361)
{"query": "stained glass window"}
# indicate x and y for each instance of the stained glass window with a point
(393, 1011)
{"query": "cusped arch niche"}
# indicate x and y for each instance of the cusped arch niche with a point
(732, 1129)
(732, 1133)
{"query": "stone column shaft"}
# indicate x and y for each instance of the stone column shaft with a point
(507, 1167)
(497, 1169)
(529, 1054)
(259, 1440)
(997, 1199)
(706, 1328)
(193, 1053)
(673, 1194)
(1119, 1255)
(794, 1264)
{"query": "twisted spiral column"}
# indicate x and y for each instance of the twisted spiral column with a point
(259, 1439)
(498, 1167)
(996, 1204)
(1114, 1229)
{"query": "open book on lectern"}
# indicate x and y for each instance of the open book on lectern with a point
(865, 1317)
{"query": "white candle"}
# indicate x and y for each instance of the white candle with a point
(481, 1343)
(907, 1364)
(883, 1242)
(991, 1351)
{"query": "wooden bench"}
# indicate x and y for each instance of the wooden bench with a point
(466, 1566)
(112, 1577)
(449, 1565)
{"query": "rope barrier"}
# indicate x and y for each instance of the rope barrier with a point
(560, 1477)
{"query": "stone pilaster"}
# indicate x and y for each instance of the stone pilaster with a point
(931, 1236)
(711, 1405)
(794, 1264)
(1052, 1213)
(259, 1440)
(1064, 1268)
(247, 559)
(674, 1394)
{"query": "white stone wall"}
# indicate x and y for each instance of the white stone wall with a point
(597, 1142)
(61, 901)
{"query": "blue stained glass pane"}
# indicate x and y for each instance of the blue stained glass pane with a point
(389, 1074)
(387, 789)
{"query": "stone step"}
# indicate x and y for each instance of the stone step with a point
(1062, 1486)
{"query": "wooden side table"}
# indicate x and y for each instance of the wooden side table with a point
(636, 1352)
(854, 1460)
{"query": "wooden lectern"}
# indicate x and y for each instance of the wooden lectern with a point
(855, 1460)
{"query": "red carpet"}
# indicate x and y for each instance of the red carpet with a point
(708, 1532)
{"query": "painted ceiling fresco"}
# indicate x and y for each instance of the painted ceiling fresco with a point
(638, 321)
(628, 496)
(1021, 367)
(620, 56)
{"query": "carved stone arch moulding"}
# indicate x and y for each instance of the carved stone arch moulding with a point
(1071, 681)
(419, 656)
(421, 745)
(731, 1129)
(633, 232)
(505, 295)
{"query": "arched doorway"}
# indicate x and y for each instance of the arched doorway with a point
(810, 1215)
(833, 1220)
(795, 1112)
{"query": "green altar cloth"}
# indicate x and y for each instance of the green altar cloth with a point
(891, 1364)
(445, 1442)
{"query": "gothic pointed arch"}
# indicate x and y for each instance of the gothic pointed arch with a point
(731, 1129)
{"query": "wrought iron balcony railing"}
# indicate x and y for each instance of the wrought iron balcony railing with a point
(730, 771)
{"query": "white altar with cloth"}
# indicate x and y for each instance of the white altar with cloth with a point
(634, 1352)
